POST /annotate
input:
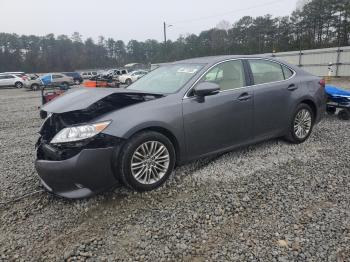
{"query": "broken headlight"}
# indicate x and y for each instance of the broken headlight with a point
(77, 133)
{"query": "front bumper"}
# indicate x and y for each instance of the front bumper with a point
(83, 175)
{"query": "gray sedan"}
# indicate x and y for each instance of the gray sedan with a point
(94, 138)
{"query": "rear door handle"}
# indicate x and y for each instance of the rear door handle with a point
(244, 97)
(292, 87)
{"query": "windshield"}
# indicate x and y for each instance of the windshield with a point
(166, 79)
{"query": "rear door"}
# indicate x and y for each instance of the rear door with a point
(3, 80)
(57, 78)
(7, 80)
(273, 87)
(222, 120)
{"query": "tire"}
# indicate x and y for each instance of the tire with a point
(331, 110)
(34, 87)
(128, 81)
(152, 172)
(344, 114)
(77, 82)
(64, 85)
(18, 84)
(298, 133)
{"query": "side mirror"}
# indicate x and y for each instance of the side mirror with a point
(206, 89)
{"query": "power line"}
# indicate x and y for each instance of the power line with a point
(227, 13)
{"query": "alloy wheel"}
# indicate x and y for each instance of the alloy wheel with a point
(302, 123)
(150, 162)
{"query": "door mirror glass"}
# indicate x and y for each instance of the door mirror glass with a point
(206, 89)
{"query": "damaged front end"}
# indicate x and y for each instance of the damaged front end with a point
(57, 119)
(80, 167)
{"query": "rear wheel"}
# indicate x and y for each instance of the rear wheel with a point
(64, 85)
(344, 114)
(18, 85)
(301, 125)
(331, 110)
(146, 161)
(77, 82)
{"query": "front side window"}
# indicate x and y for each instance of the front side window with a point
(166, 79)
(266, 71)
(228, 75)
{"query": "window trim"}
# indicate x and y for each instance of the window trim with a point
(243, 59)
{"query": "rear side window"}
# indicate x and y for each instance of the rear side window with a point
(266, 71)
(287, 72)
(6, 77)
(57, 76)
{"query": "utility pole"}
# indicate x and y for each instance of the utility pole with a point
(164, 24)
(339, 44)
(300, 45)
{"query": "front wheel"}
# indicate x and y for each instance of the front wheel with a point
(128, 81)
(146, 161)
(301, 125)
(35, 87)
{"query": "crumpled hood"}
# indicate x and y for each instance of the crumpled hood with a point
(82, 98)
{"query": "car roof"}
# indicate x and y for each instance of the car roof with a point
(215, 59)
(7, 74)
(11, 73)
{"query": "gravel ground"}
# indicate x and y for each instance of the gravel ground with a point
(269, 202)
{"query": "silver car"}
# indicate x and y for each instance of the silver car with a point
(177, 113)
(12, 80)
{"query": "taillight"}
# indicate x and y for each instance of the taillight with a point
(322, 83)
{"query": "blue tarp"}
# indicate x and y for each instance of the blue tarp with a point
(46, 79)
(337, 92)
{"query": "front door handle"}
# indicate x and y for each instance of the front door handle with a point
(292, 87)
(244, 97)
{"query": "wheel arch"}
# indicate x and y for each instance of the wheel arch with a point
(166, 132)
(311, 104)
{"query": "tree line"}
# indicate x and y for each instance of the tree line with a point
(318, 24)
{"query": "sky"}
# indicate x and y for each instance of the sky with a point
(126, 20)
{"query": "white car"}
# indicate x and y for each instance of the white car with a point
(13, 80)
(132, 77)
(88, 74)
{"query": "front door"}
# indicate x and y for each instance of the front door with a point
(223, 120)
